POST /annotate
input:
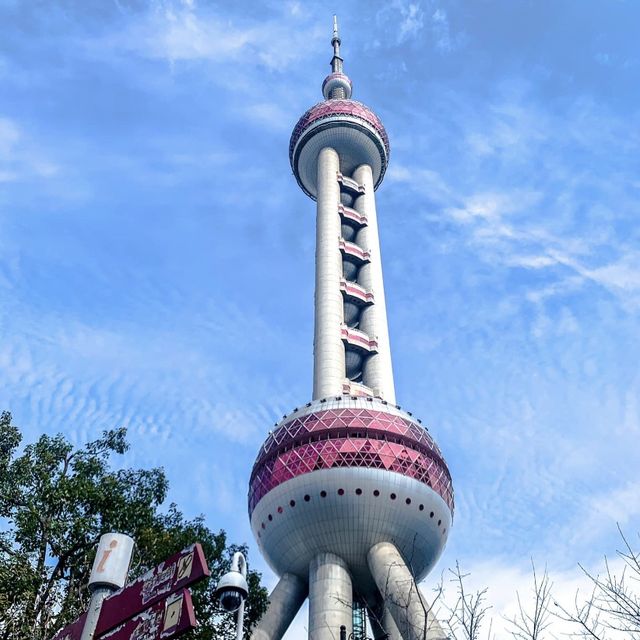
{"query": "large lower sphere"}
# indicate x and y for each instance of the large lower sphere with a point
(343, 475)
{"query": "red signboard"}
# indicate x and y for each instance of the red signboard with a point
(169, 618)
(73, 630)
(179, 571)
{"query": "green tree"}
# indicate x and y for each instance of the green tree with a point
(55, 503)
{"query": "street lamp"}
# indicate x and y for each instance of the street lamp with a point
(232, 590)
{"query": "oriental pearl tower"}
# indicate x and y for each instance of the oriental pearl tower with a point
(350, 498)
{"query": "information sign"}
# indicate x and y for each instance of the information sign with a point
(182, 569)
(73, 630)
(166, 619)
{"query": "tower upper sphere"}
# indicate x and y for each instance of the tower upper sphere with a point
(346, 125)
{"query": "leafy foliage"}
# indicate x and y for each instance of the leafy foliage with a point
(55, 503)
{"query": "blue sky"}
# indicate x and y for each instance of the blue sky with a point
(156, 255)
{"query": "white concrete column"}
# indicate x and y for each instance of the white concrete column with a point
(330, 597)
(328, 350)
(383, 625)
(377, 372)
(284, 603)
(401, 595)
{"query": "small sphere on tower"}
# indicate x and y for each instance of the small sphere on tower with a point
(337, 85)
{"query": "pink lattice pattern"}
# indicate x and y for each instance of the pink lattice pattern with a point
(332, 108)
(350, 452)
(333, 420)
(349, 438)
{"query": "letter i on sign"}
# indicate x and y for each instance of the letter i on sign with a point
(111, 564)
(105, 555)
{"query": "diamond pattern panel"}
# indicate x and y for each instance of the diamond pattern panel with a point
(331, 108)
(349, 438)
(368, 420)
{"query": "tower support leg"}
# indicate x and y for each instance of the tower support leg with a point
(284, 603)
(401, 595)
(383, 625)
(330, 597)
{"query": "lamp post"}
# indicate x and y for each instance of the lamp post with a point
(232, 590)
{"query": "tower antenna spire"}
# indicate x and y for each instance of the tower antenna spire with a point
(336, 62)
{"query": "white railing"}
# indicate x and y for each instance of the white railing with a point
(355, 250)
(354, 290)
(350, 184)
(359, 339)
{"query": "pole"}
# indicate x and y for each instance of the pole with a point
(109, 573)
(343, 632)
(239, 564)
(93, 612)
(240, 621)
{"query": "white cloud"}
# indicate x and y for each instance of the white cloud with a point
(595, 514)
(269, 114)
(499, 224)
(531, 261)
(489, 210)
(405, 17)
(428, 182)
(622, 274)
(505, 582)
(412, 20)
(441, 32)
(19, 156)
(8, 176)
(9, 136)
(480, 144)
(295, 8)
(184, 32)
(74, 373)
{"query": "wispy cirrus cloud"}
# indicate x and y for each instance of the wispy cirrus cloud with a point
(416, 20)
(19, 156)
(182, 32)
(537, 218)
